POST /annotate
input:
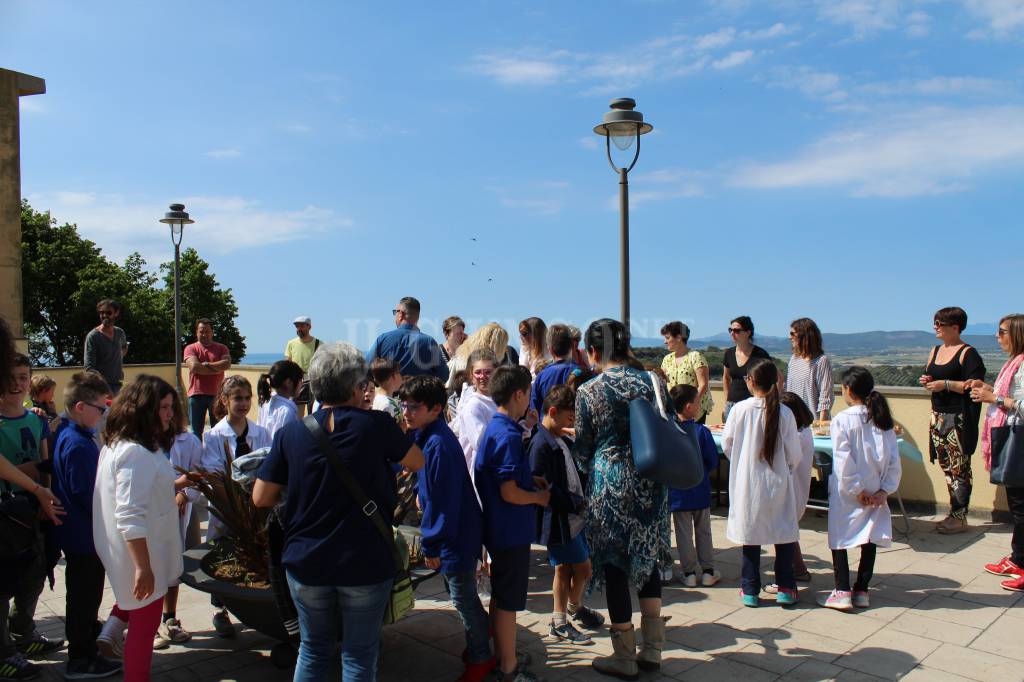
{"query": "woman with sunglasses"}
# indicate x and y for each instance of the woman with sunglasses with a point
(809, 374)
(953, 430)
(737, 362)
(1006, 407)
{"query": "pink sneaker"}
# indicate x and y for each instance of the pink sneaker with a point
(840, 600)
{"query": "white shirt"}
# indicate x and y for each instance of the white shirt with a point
(864, 458)
(134, 498)
(213, 456)
(762, 500)
(277, 412)
(475, 413)
(802, 472)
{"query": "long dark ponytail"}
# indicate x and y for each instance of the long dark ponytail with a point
(862, 386)
(764, 375)
(280, 372)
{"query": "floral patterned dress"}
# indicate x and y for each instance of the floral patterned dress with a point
(684, 371)
(627, 517)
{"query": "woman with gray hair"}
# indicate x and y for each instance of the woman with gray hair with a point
(338, 565)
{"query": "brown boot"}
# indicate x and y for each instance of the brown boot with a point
(653, 630)
(622, 663)
(951, 526)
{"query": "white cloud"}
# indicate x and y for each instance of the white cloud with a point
(1002, 16)
(298, 128)
(224, 153)
(862, 16)
(821, 85)
(719, 38)
(921, 152)
(670, 184)
(224, 224)
(776, 30)
(32, 105)
(938, 86)
(733, 59)
(519, 70)
(918, 24)
(590, 142)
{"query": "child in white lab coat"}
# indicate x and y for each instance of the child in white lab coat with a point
(763, 448)
(276, 391)
(865, 471)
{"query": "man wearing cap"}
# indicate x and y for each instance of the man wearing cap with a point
(300, 351)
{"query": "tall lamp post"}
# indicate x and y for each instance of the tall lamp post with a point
(177, 218)
(623, 126)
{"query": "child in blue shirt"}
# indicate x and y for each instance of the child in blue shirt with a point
(75, 459)
(452, 525)
(508, 492)
(691, 509)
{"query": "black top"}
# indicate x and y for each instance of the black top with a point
(737, 386)
(966, 364)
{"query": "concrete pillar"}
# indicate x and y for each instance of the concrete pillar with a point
(13, 85)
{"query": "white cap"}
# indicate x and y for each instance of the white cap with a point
(302, 319)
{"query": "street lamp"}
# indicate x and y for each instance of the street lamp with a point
(177, 218)
(622, 126)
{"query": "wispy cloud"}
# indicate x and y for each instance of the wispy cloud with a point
(224, 153)
(917, 24)
(821, 85)
(733, 59)
(863, 17)
(1003, 17)
(32, 105)
(522, 70)
(665, 184)
(297, 128)
(224, 224)
(589, 142)
(920, 152)
(937, 86)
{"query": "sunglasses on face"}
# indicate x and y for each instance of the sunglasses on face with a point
(736, 330)
(482, 373)
(939, 325)
(1002, 332)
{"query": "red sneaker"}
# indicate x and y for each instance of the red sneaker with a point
(478, 672)
(1005, 567)
(1014, 585)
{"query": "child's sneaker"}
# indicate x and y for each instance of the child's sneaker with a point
(110, 641)
(1005, 567)
(710, 578)
(786, 597)
(567, 632)
(587, 617)
(690, 580)
(840, 600)
(770, 588)
(520, 674)
(36, 645)
(860, 599)
(749, 599)
(170, 632)
(17, 667)
(478, 672)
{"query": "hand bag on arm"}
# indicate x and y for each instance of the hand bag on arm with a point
(402, 596)
(1008, 455)
(664, 450)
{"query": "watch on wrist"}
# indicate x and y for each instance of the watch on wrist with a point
(999, 401)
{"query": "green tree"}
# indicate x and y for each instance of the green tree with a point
(202, 296)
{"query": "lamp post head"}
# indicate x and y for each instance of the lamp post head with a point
(623, 124)
(177, 218)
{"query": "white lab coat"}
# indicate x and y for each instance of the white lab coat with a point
(762, 499)
(277, 412)
(134, 498)
(802, 472)
(864, 458)
(213, 456)
(475, 413)
(187, 453)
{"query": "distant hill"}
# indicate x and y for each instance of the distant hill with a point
(861, 343)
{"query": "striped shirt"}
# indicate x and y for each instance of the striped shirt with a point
(812, 381)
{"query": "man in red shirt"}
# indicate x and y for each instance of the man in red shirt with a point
(207, 361)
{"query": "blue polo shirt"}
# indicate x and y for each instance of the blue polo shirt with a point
(501, 458)
(699, 496)
(328, 539)
(416, 353)
(452, 525)
(549, 377)
(75, 460)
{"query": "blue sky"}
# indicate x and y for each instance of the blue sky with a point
(855, 161)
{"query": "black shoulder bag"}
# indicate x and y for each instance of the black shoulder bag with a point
(402, 595)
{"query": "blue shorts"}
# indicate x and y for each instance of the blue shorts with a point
(510, 577)
(573, 552)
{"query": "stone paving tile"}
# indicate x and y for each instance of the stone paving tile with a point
(819, 646)
(724, 668)
(1002, 638)
(877, 654)
(973, 664)
(919, 623)
(848, 627)
(922, 674)
(814, 671)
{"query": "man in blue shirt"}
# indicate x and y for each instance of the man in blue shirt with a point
(452, 526)
(508, 492)
(557, 373)
(416, 353)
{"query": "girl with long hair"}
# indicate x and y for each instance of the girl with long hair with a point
(761, 442)
(865, 471)
(533, 335)
(276, 391)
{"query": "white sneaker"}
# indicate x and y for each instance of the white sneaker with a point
(710, 579)
(110, 641)
(690, 580)
(170, 632)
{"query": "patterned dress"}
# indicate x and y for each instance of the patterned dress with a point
(684, 371)
(627, 517)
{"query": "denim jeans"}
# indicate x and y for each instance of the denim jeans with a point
(359, 610)
(751, 571)
(198, 407)
(462, 588)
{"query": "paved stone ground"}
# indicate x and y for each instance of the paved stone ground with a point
(935, 615)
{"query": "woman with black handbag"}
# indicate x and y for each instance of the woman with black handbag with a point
(1006, 413)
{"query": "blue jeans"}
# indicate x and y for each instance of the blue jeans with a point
(751, 571)
(462, 588)
(198, 407)
(359, 610)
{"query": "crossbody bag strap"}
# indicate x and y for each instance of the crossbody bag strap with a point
(367, 506)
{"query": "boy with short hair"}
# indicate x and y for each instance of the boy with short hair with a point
(691, 509)
(555, 374)
(562, 521)
(386, 376)
(452, 525)
(508, 492)
(23, 442)
(75, 460)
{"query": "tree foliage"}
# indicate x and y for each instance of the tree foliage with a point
(65, 275)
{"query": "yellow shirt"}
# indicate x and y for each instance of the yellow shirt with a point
(301, 352)
(684, 371)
